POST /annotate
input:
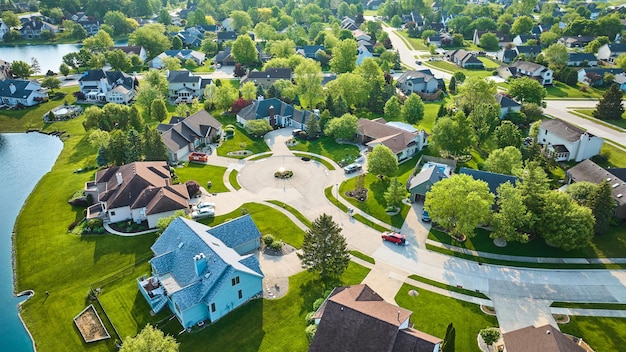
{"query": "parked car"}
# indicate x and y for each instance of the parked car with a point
(296, 132)
(425, 216)
(394, 237)
(204, 205)
(203, 213)
(352, 168)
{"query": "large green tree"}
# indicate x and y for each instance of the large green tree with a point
(244, 51)
(556, 55)
(344, 56)
(534, 187)
(150, 339)
(512, 216)
(475, 91)
(100, 42)
(158, 110)
(610, 107)
(324, 249)
(51, 83)
(459, 204)
(351, 87)
(145, 96)
(308, 77)
(484, 119)
(452, 134)
(522, 25)
(118, 60)
(602, 206)
(413, 109)
(382, 161)
(564, 223)
(153, 147)
(395, 193)
(527, 90)
(504, 160)
(21, 69)
(392, 108)
(151, 37)
(343, 127)
(507, 134)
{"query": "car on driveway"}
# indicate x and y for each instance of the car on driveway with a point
(202, 213)
(352, 168)
(425, 216)
(204, 205)
(394, 237)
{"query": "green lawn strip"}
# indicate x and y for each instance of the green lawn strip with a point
(433, 312)
(260, 156)
(489, 64)
(448, 287)
(240, 141)
(293, 211)
(617, 157)
(267, 219)
(523, 264)
(451, 68)
(370, 223)
(415, 43)
(560, 90)
(363, 256)
(602, 334)
(232, 179)
(574, 305)
(202, 174)
(358, 217)
(588, 114)
(331, 197)
(328, 147)
(323, 161)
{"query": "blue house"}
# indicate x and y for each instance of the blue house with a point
(201, 273)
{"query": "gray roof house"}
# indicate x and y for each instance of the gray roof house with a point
(240, 234)
(185, 135)
(594, 76)
(610, 52)
(422, 81)
(184, 86)
(24, 92)
(545, 338)
(182, 55)
(507, 105)
(492, 179)
(566, 142)
(431, 171)
(276, 112)
(101, 86)
(268, 77)
(520, 68)
(464, 58)
(582, 59)
(589, 171)
(576, 41)
(355, 318)
(309, 51)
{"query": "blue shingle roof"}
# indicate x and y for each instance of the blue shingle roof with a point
(236, 232)
(492, 179)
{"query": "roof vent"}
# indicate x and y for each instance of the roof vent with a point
(615, 185)
(619, 195)
(548, 332)
(608, 179)
(180, 245)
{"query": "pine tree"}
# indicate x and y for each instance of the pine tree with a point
(448, 344)
(134, 151)
(442, 111)
(610, 107)
(602, 206)
(313, 127)
(101, 159)
(452, 86)
(324, 249)
(395, 193)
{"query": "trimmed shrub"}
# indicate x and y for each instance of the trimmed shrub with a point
(268, 239)
(310, 332)
(193, 187)
(318, 303)
(276, 245)
(93, 223)
(309, 318)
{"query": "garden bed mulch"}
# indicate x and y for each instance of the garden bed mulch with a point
(358, 194)
(285, 249)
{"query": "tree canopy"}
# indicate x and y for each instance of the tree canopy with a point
(324, 249)
(610, 107)
(150, 339)
(343, 127)
(382, 161)
(244, 51)
(527, 90)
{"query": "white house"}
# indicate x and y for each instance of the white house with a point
(182, 55)
(507, 105)
(20, 91)
(594, 76)
(183, 86)
(610, 52)
(567, 142)
(101, 86)
(422, 81)
(133, 50)
(527, 69)
(4, 29)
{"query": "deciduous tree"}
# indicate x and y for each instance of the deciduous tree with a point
(512, 216)
(452, 134)
(344, 56)
(158, 110)
(527, 90)
(21, 69)
(150, 339)
(474, 91)
(324, 249)
(484, 119)
(308, 77)
(258, 127)
(51, 83)
(118, 60)
(564, 223)
(151, 37)
(534, 186)
(343, 127)
(556, 55)
(98, 43)
(504, 160)
(522, 25)
(392, 108)
(244, 51)
(413, 109)
(507, 134)
(382, 161)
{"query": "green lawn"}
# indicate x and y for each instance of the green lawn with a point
(323, 161)
(293, 211)
(363, 256)
(560, 90)
(489, 64)
(415, 43)
(448, 287)
(232, 179)
(611, 306)
(450, 67)
(240, 141)
(602, 334)
(328, 147)
(432, 313)
(202, 173)
(587, 113)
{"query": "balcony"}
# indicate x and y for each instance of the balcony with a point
(153, 292)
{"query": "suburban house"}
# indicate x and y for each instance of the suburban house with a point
(33, 29)
(90, 25)
(527, 69)
(507, 105)
(5, 68)
(225, 36)
(139, 191)
(100, 86)
(567, 142)
(522, 39)
(620, 80)
(403, 139)
(492, 179)
(191, 36)
(182, 55)
(183, 86)
(415, 17)
(355, 318)
(198, 274)
(576, 41)
(4, 29)
(506, 55)
(14, 92)
(594, 76)
(224, 57)
(582, 59)
(268, 77)
(589, 171)
(362, 54)
(529, 51)
(464, 59)
(439, 39)
(185, 135)
(610, 52)
(422, 81)
(276, 112)
(503, 39)
(348, 23)
(133, 50)
(545, 338)
(227, 24)
(431, 171)
(309, 51)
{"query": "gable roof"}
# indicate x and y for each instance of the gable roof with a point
(602, 70)
(260, 109)
(563, 129)
(527, 66)
(395, 138)
(545, 338)
(182, 76)
(617, 47)
(181, 133)
(506, 102)
(21, 86)
(113, 78)
(589, 171)
(271, 73)
(236, 232)
(492, 179)
(174, 253)
(582, 57)
(430, 175)
(415, 75)
(528, 49)
(355, 318)
(227, 35)
(128, 49)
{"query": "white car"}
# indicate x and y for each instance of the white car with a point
(203, 213)
(204, 205)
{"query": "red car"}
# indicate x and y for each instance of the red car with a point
(394, 237)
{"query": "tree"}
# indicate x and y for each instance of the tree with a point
(145, 96)
(134, 150)
(34, 65)
(150, 339)
(153, 147)
(459, 204)
(448, 344)
(241, 21)
(475, 91)
(343, 127)
(51, 83)
(99, 138)
(313, 127)
(118, 21)
(156, 80)
(489, 41)
(395, 193)
(118, 60)
(344, 56)
(527, 90)
(610, 107)
(392, 108)
(564, 223)
(21, 69)
(382, 161)
(151, 37)
(165, 17)
(595, 44)
(490, 335)
(556, 55)
(351, 87)
(324, 249)
(244, 51)
(308, 77)
(602, 206)
(282, 48)
(452, 85)
(10, 19)
(396, 21)
(248, 91)
(158, 110)
(484, 119)
(98, 43)
(258, 127)
(171, 63)
(522, 25)
(117, 148)
(504, 160)
(64, 69)
(534, 186)
(79, 32)
(164, 222)
(581, 192)
(548, 38)
(224, 97)
(512, 215)
(507, 134)
(177, 43)
(452, 134)
(413, 109)
(102, 159)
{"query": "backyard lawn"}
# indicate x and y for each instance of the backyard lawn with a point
(602, 334)
(433, 312)
(450, 67)
(328, 147)
(240, 141)
(202, 173)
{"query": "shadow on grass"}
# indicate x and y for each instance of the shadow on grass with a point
(139, 246)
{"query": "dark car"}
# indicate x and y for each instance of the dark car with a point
(394, 237)
(425, 216)
(352, 168)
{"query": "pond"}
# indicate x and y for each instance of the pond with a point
(18, 180)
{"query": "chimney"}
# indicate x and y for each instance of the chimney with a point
(272, 118)
(199, 261)
(12, 88)
(118, 176)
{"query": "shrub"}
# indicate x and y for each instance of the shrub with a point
(310, 332)
(583, 89)
(318, 303)
(193, 187)
(59, 95)
(93, 223)
(309, 318)
(78, 202)
(268, 239)
(72, 226)
(490, 335)
(276, 245)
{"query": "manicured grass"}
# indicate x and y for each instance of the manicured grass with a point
(587, 113)
(202, 174)
(293, 211)
(560, 90)
(240, 141)
(448, 287)
(261, 156)
(268, 220)
(432, 313)
(324, 162)
(489, 64)
(611, 306)
(232, 179)
(331, 197)
(31, 118)
(450, 67)
(617, 157)
(363, 256)
(328, 147)
(416, 43)
(602, 334)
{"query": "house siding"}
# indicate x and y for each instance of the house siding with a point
(584, 148)
(121, 214)
(193, 315)
(228, 299)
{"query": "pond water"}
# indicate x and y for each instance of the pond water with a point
(17, 180)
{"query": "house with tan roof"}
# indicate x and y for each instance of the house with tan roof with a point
(139, 191)
(567, 142)
(185, 135)
(589, 171)
(545, 338)
(403, 139)
(355, 318)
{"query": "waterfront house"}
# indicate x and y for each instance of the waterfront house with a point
(184, 135)
(33, 29)
(100, 86)
(132, 50)
(16, 92)
(567, 142)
